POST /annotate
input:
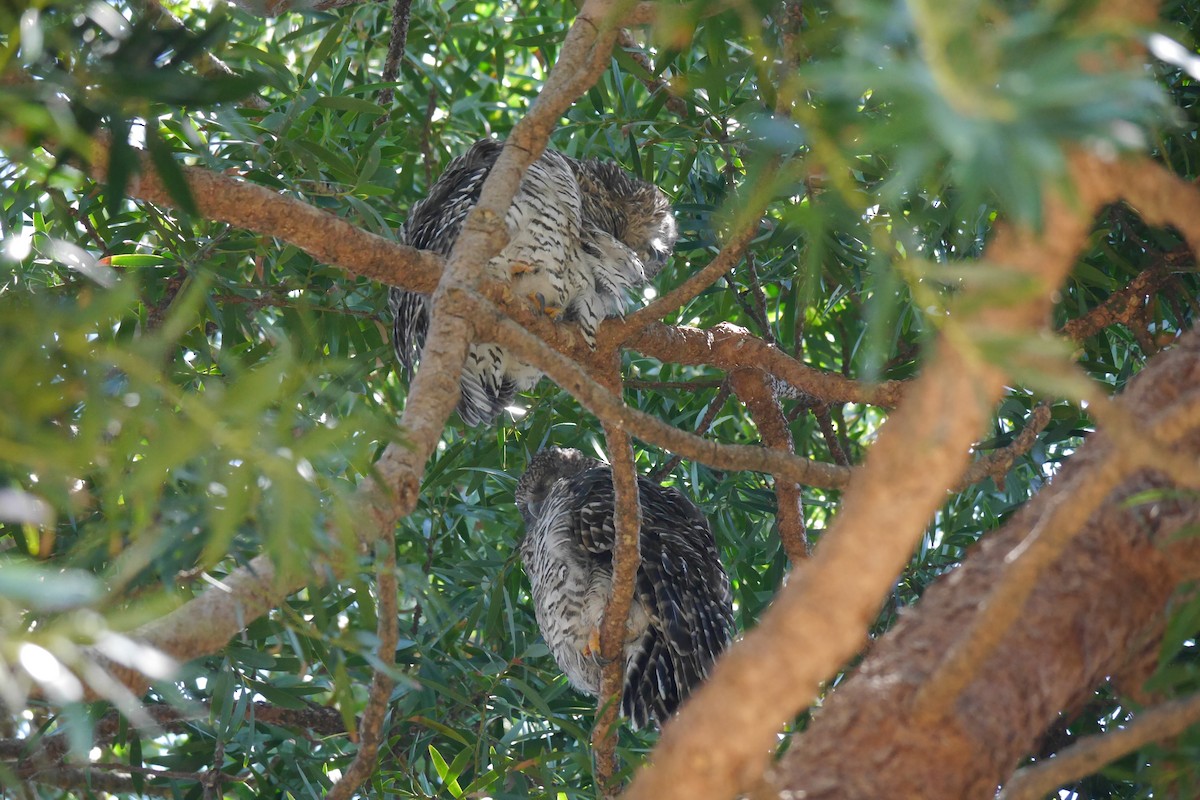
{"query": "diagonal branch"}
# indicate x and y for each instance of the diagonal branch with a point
(251, 207)
(1091, 753)
(997, 464)
(753, 388)
(820, 619)
(1097, 611)
(1052, 532)
(607, 406)
(435, 390)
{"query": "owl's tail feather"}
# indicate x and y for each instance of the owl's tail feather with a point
(487, 389)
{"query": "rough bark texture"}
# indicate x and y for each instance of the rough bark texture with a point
(1094, 612)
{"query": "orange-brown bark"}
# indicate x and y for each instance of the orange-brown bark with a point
(1091, 612)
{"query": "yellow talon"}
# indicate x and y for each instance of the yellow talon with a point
(520, 268)
(592, 645)
(539, 300)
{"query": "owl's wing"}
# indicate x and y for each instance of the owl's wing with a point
(433, 224)
(680, 582)
(691, 604)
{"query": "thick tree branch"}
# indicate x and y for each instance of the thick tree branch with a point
(255, 208)
(1080, 625)
(820, 618)
(728, 346)
(435, 390)
(1125, 305)
(1051, 533)
(1090, 754)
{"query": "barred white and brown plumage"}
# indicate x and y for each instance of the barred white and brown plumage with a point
(682, 614)
(581, 235)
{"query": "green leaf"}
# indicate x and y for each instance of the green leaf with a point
(48, 589)
(169, 172)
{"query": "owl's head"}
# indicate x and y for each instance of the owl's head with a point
(636, 212)
(546, 468)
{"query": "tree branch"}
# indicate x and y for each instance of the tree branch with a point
(401, 11)
(995, 465)
(609, 408)
(1110, 589)
(728, 346)
(710, 414)
(435, 390)
(753, 388)
(820, 618)
(387, 629)
(255, 208)
(627, 522)
(1122, 306)
(1093, 752)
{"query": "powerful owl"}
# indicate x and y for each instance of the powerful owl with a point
(682, 614)
(581, 235)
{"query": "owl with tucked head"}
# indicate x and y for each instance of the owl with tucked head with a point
(582, 234)
(681, 618)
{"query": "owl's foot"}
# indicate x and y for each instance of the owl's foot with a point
(539, 300)
(519, 268)
(591, 647)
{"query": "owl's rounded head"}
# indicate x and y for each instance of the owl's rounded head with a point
(546, 468)
(634, 211)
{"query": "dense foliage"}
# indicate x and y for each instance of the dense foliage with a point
(178, 395)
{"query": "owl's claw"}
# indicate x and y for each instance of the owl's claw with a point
(539, 300)
(520, 268)
(591, 648)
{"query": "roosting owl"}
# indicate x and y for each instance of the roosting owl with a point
(581, 235)
(682, 613)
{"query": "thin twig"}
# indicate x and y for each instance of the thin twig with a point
(754, 389)
(1091, 753)
(654, 85)
(760, 301)
(710, 414)
(995, 465)
(691, 288)
(837, 449)
(401, 11)
(370, 729)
